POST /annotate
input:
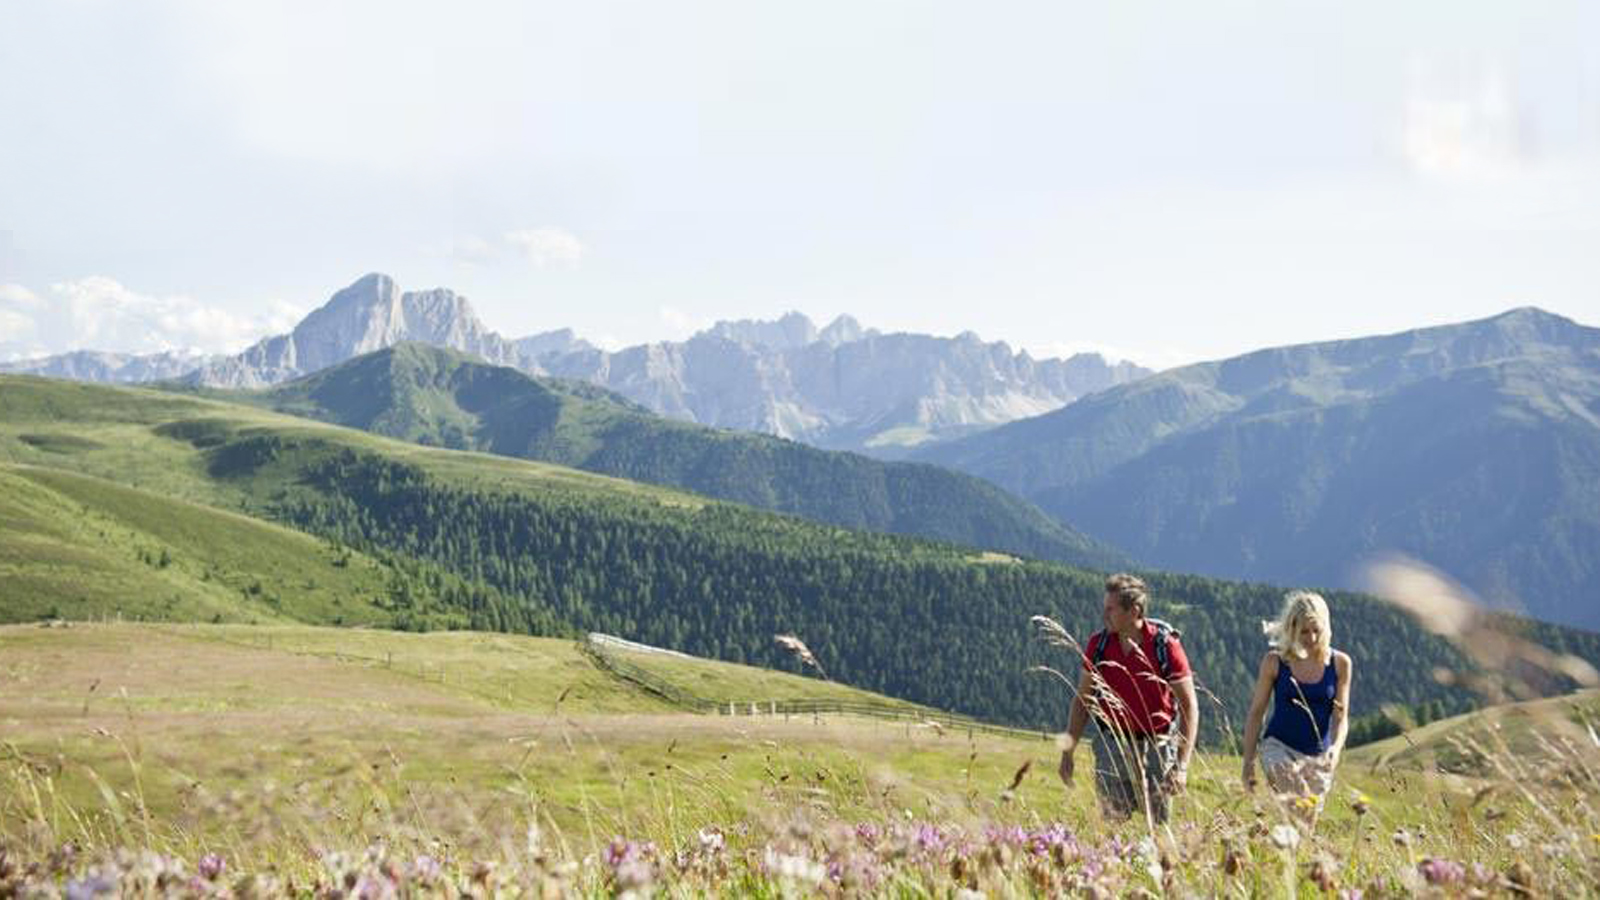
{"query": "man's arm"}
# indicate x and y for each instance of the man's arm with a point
(1077, 720)
(1189, 708)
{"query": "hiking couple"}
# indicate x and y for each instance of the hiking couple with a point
(1138, 690)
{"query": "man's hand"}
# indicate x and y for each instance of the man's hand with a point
(1248, 777)
(1177, 779)
(1066, 767)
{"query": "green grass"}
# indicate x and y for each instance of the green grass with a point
(468, 717)
(724, 682)
(78, 547)
(273, 744)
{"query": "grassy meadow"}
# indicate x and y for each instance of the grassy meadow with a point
(216, 760)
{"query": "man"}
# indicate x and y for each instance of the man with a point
(1137, 685)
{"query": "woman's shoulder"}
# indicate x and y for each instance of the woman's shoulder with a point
(1342, 660)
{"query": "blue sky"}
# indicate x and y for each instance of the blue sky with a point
(1163, 181)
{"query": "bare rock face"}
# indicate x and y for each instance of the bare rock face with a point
(369, 315)
(842, 387)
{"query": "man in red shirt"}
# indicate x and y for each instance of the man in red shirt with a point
(1138, 688)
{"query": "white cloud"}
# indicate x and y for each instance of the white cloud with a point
(17, 296)
(467, 250)
(547, 246)
(680, 324)
(1462, 120)
(99, 313)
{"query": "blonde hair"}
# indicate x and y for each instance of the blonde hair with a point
(1298, 608)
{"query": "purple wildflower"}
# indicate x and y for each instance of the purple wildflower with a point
(1441, 871)
(211, 866)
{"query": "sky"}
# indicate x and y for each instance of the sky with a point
(1159, 181)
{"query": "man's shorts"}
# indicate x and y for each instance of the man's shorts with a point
(1130, 770)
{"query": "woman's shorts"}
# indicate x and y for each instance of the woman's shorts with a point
(1295, 774)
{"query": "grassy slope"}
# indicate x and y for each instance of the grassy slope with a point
(79, 547)
(1460, 743)
(461, 718)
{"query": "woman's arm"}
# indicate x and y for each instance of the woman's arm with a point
(1341, 703)
(1258, 709)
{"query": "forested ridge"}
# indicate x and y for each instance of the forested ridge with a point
(914, 619)
(438, 397)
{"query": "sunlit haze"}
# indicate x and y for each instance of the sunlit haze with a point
(1164, 182)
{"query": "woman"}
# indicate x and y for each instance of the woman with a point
(1308, 684)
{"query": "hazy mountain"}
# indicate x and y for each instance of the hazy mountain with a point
(115, 368)
(429, 395)
(1475, 447)
(841, 387)
(368, 315)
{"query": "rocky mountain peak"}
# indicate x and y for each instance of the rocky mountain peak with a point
(370, 314)
(843, 330)
(791, 331)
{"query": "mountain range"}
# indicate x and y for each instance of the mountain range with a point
(430, 395)
(1474, 447)
(841, 387)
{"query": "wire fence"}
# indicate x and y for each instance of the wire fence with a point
(596, 648)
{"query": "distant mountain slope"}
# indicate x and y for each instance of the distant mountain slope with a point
(541, 549)
(1475, 447)
(110, 368)
(843, 387)
(433, 396)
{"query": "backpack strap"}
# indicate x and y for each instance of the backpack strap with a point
(1097, 647)
(1165, 635)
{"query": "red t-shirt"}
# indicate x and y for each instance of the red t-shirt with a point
(1147, 705)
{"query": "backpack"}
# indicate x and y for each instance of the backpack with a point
(1165, 634)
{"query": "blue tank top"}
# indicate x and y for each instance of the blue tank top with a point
(1301, 712)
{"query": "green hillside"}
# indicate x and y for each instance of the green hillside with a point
(440, 397)
(77, 547)
(525, 547)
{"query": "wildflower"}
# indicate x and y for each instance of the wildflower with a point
(1362, 804)
(1402, 838)
(794, 868)
(90, 888)
(1308, 802)
(711, 841)
(1321, 873)
(1285, 837)
(1233, 859)
(211, 866)
(1441, 871)
(425, 870)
